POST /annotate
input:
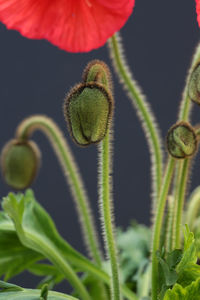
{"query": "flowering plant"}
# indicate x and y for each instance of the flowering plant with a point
(141, 263)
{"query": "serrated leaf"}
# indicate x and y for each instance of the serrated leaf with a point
(191, 292)
(134, 247)
(188, 270)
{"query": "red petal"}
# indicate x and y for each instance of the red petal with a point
(198, 10)
(73, 25)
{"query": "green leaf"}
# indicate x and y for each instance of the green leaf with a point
(51, 275)
(44, 292)
(191, 292)
(13, 292)
(37, 231)
(134, 250)
(188, 270)
(14, 257)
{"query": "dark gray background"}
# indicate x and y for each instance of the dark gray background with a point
(159, 38)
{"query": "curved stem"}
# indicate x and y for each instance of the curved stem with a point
(106, 213)
(62, 150)
(144, 112)
(158, 223)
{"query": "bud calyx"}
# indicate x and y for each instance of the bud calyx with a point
(181, 140)
(88, 107)
(194, 85)
(20, 162)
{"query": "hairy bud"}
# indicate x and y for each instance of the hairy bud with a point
(88, 110)
(181, 140)
(20, 162)
(194, 85)
(97, 71)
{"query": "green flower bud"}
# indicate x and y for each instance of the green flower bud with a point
(194, 85)
(20, 162)
(97, 71)
(181, 140)
(88, 110)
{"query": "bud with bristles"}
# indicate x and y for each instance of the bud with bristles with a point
(88, 110)
(20, 161)
(194, 85)
(97, 71)
(181, 140)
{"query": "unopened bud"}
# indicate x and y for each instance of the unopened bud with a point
(20, 162)
(97, 71)
(181, 140)
(88, 110)
(194, 85)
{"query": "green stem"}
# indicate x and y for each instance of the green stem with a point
(62, 150)
(168, 242)
(183, 170)
(143, 110)
(106, 213)
(181, 178)
(158, 223)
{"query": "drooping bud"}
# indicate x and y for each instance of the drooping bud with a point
(97, 71)
(88, 110)
(181, 140)
(194, 85)
(20, 161)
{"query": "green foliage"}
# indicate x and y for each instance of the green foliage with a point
(191, 292)
(167, 270)
(134, 252)
(183, 273)
(35, 233)
(14, 257)
(11, 291)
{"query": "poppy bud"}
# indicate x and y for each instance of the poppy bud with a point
(20, 162)
(97, 71)
(194, 85)
(88, 109)
(181, 140)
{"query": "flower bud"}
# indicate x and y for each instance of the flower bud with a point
(181, 140)
(97, 71)
(194, 85)
(20, 162)
(88, 109)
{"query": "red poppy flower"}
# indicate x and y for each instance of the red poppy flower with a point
(72, 25)
(198, 10)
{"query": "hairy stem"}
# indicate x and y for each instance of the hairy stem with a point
(106, 213)
(66, 159)
(143, 110)
(168, 241)
(158, 224)
(181, 178)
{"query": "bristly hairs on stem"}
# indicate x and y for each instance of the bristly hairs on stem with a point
(56, 138)
(184, 114)
(170, 212)
(106, 210)
(144, 113)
